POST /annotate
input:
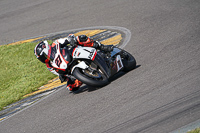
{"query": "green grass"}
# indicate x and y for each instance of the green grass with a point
(197, 130)
(20, 72)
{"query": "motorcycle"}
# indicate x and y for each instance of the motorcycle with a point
(89, 65)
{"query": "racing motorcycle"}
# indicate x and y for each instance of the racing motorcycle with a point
(91, 66)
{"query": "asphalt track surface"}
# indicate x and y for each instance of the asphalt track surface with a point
(160, 96)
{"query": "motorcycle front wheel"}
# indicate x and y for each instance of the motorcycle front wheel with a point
(92, 76)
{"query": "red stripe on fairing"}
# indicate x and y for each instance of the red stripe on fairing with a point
(63, 51)
(73, 51)
(59, 69)
(94, 55)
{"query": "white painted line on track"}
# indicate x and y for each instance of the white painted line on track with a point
(32, 104)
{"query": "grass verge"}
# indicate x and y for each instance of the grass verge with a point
(20, 72)
(197, 130)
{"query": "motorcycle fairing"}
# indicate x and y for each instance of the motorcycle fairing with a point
(102, 64)
(115, 66)
(115, 51)
(91, 54)
(84, 53)
(59, 63)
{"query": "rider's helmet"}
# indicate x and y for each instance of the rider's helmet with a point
(41, 51)
(84, 40)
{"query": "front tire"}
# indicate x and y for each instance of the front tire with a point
(97, 80)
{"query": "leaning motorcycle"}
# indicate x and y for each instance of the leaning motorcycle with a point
(91, 66)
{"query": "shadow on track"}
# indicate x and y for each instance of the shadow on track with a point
(91, 88)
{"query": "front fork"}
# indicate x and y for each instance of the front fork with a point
(81, 65)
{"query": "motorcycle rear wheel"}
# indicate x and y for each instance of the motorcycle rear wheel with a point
(129, 61)
(92, 78)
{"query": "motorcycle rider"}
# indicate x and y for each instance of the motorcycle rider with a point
(42, 50)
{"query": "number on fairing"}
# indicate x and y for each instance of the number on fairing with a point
(58, 61)
(91, 53)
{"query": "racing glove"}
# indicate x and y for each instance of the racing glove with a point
(105, 48)
(71, 39)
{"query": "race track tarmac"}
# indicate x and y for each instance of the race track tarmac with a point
(160, 96)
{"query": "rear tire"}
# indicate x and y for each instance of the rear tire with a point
(129, 61)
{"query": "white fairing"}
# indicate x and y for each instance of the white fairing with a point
(59, 62)
(84, 53)
(81, 65)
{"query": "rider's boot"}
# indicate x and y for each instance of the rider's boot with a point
(73, 85)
